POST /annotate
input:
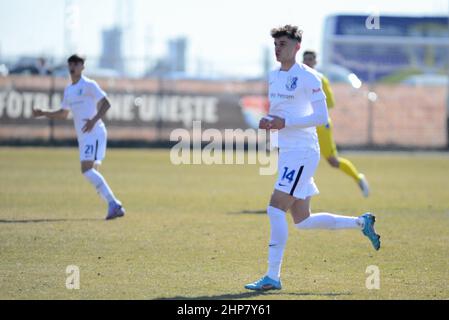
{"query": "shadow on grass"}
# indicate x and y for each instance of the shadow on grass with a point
(246, 295)
(47, 220)
(264, 211)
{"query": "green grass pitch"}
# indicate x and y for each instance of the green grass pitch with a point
(199, 232)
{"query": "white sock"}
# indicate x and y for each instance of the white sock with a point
(330, 221)
(97, 180)
(278, 240)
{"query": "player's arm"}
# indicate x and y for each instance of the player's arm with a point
(51, 114)
(318, 117)
(102, 107)
(62, 113)
(328, 92)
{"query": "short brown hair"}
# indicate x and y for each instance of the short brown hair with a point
(292, 32)
(75, 58)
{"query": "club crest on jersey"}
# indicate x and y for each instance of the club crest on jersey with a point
(292, 83)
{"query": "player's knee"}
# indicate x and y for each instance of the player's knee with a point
(333, 161)
(281, 201)
(86, 167)
(301, 215)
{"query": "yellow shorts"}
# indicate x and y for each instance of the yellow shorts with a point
(326, 139)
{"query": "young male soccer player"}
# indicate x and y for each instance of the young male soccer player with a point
(325, 136)
(88, 104)
(297, 106)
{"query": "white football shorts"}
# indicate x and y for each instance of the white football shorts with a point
(92, 146)
(295, 173)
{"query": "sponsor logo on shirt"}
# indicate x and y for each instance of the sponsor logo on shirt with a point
(292, 83)
(281, 96)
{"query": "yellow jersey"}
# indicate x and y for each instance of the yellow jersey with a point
(327, 91)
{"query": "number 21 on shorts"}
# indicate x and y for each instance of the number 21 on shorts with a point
(89, 149)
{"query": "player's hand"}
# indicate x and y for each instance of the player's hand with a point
(89, 125)
(277, 123)
(263, 124)
(37, 112)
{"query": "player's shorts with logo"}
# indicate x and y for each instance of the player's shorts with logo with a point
(296, 169)
(92, 146)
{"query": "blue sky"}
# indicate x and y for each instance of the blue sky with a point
(227, 36)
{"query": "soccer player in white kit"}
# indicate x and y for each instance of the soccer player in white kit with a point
(297, 106)
(88, 104)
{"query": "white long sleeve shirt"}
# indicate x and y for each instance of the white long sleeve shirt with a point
(297, 96)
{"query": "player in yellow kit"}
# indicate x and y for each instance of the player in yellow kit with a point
(325, 136)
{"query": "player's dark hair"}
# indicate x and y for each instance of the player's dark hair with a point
(309, 52)
(292, 32)
(75, 58)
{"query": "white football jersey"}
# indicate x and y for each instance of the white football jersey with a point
(291, 94)
(82, 98)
